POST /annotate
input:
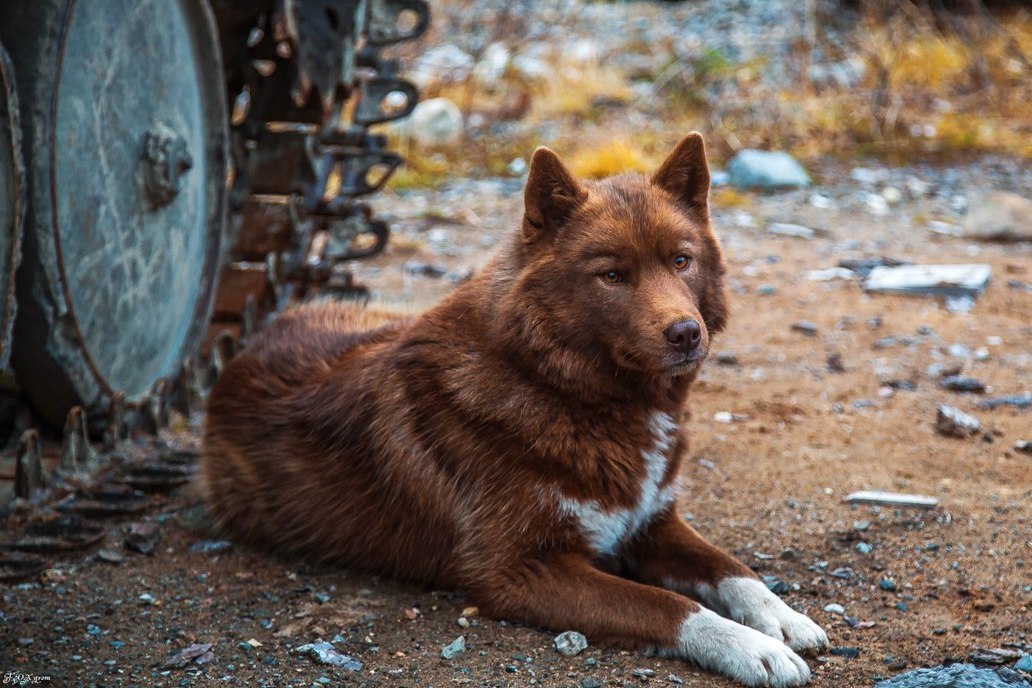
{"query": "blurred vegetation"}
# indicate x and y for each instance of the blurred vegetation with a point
(932, 83)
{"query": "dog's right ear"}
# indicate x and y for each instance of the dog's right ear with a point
(551, 196)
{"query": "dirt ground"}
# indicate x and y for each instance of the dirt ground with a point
(769, 486)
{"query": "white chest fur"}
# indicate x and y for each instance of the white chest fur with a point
(605, 529)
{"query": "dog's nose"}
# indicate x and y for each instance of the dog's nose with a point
(685, 335)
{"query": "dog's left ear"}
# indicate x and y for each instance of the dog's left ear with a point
(685, 173)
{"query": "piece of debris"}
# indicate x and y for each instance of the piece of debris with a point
(953, 422)
(806, 327)
(643, 673)
(999, 216)
(962, 383)
(325, 653)
(933, 280)
(863, 266)
(570, 643)
(142, 536)
(835, 609)
(454, 648)
(887, 584)
(196, 654)
(756, 169)
(1017, 400)
(892, 499)
(211, 546)
(787, 229)
(830, 275)
(955, 676)
(835, 363)
(1023, 446)
(996, 655)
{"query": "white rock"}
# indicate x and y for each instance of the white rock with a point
(435, 122)
(945, 280)
(892, 195)
(830, 274)
(999, 216)
(570, 643)
(876, 205)
(791, 230)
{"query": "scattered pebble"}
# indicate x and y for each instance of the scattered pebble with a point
(962, 383)
(1021, 401)
(454, 648)
(325, 653)
(834, 608)
(864, 547)
(791, 230)
(570, 643)
(211, 546)
(806, 327)
(142, 536)
(953, 422)
(847, 652)
(196, 654)
(887, 584)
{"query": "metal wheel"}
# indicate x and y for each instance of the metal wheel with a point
(123, 108)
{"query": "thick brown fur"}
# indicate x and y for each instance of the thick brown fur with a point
(440, 448)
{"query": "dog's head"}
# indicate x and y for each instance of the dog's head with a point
(627, 268)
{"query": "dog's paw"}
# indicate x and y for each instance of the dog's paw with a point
(749, 602)
(740, 653)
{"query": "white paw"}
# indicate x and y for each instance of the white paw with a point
(749, 602)
(740, 653)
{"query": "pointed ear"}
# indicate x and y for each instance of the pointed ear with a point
(685, 173)
(551, 195)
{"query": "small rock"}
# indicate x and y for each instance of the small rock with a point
(435, 122)
(1023, 446)
(1024, 664)
(863, 266)
(835, 608)
(775, 585)
(788, 554)
(953, 422)
(1021, 401)
(999, 216)
(830, 274)
(847, 652)
(892, 195)
(643, 673)
(590, 683)
(463, 622)
(876, 205)
(142, 536)
(756, 169)
(325, 653)
(791, 230)
(110, 556)
(864, 547)
(570, 643)
(887, 584)
(766, 290)
(727, 358)
(198, 653)
(835, 363)
(962, 383)
(806, 327)
(454, 648)
(211, 546)
(861, 526)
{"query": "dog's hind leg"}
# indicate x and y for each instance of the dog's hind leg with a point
(672, 555)
(565, 592)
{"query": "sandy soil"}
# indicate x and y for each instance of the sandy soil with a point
(768, 487)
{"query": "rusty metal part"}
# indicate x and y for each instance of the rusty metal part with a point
(60, 534)
(122, 244)
(293, 68)
(12, 200)
(18, 566)
(29, 476)
(77, 456)
(105, 500)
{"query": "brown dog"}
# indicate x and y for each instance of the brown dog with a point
(523, 438)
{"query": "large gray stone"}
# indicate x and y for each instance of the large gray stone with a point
(999, 216)
(956, 676)
(756, 169)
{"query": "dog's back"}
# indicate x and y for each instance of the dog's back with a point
(291, 430)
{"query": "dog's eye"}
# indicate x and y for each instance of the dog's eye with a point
(681, 262)
(612, 277)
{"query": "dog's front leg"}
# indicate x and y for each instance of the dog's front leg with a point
(565, 592)
(673, 555)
